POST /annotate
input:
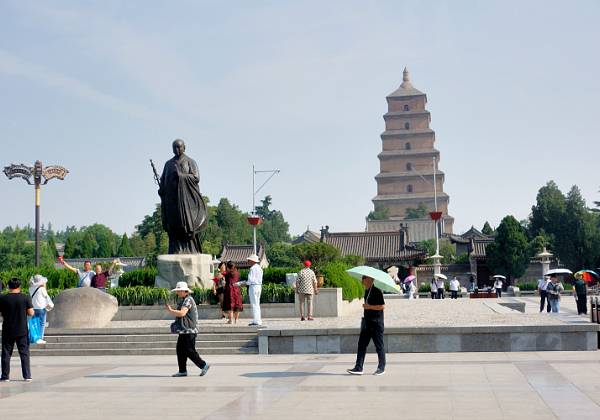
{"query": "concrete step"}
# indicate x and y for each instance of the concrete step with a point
(141, 344)
(137, 352)
(204, 329)
(143, 338)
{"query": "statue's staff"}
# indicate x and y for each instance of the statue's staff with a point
(156, 177)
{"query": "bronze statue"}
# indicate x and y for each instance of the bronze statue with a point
(182, 207)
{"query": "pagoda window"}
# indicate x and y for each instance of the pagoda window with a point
(406, 126)
(409, 166)
(409, 188)
(407, 146)
(406, 108)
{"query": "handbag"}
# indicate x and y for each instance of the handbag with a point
(176, 326)
(35, 329)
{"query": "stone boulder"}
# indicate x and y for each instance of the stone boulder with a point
(195, 269)
(84, 307)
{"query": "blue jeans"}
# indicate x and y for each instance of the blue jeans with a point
(554, 305)
(41, 315)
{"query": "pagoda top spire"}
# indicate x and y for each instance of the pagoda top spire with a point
(406, 80)
(406, 88)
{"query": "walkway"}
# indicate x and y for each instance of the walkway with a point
(489, 386)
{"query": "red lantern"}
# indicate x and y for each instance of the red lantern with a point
(435, 215)
(254, 220)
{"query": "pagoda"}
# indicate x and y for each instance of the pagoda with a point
(406, 177)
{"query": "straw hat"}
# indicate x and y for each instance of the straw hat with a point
(253, 258)
(38, 280)
(181, 286)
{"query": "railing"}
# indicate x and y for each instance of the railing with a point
(595, 310)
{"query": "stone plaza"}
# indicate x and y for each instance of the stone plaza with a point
(530, 385)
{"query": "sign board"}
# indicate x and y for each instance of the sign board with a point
(51, 172)
(19, 171)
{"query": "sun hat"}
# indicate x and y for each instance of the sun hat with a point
(181, 286)
(307, 263)
(38, 280)
(253, 258)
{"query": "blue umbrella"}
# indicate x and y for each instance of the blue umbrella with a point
(382, 280)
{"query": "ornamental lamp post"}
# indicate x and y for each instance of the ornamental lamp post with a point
(40, 176)
(255, 219)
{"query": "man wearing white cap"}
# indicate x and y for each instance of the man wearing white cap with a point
(255, 277)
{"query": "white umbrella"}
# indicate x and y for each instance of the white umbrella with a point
(559, 271)
(499, 276)
(440, 276)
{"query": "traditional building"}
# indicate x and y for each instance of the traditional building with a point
(379, 249)
(238, 254)
(406, 177)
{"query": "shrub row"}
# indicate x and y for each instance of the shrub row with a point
(336, 276)
(144, 295)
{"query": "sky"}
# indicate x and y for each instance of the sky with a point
(101, 87)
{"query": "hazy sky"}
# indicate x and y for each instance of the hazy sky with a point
(102, 86)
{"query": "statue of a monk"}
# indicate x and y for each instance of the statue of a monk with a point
(182, 207)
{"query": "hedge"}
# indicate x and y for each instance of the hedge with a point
(140, 277)
(57, 278)
(144, 295)
(336, 276)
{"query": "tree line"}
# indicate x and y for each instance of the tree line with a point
(227, 224)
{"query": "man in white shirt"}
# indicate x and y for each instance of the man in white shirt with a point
(454, 286)
(542, 286)
(255, 278)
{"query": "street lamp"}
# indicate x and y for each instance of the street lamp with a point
(37, 171)
(254, 219)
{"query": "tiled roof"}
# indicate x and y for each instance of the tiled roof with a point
(239, 254)
(373, 246)
(403, 133)
(479, 246)
(474, 234)
(307, 237)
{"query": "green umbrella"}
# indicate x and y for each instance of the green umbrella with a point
(382, 280)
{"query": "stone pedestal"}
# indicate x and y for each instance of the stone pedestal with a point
(84, 307)
(195, 269)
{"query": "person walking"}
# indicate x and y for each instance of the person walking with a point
(454, 286)
(255, 279)
(393, 272)
(232, 294)
(15, 307)
(85, 276)
(439, 282)
(498, 287)
(371, 328)
(186, 325)
(554, 288)
(101, 277)
(306, 288)
(41, 302)
(472, 283)
(542, 286)
(433, 288)
(580, 294)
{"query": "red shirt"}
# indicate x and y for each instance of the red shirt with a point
(99, 280)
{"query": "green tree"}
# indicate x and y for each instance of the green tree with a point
(124, 249)
(547, 216)
(578, 244)
(233, 223)
(447, 249)
(138, 247)
(509, 254)
(487, 229)
(380, 213)
(319, 254)
(52, 247)
(283, 255)
(273, 228)
(417, 213)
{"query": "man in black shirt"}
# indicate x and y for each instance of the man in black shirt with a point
(15, 307)
(580, 293)
(371, 327)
